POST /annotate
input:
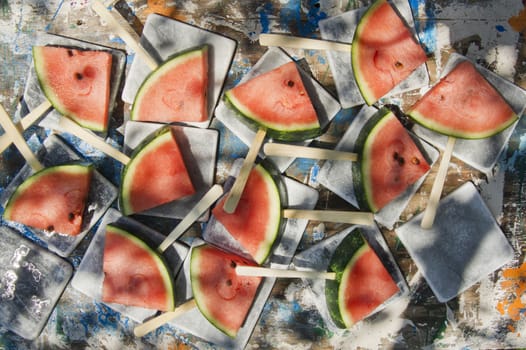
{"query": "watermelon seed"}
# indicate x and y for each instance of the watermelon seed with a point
(415, 161)
(399, 159)
(228, 282)
(71, 216)
(78, 76)
(290, 83)
(233, 264)
(70, 53)
(50, 228)
(399, 65)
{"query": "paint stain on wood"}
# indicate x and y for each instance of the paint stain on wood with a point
(514, 287)
(518, 22)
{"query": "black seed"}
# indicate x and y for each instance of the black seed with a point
(233, 264)
(290, 83)
(399, 64)
(71, 216)
(50, 228)
(70, 53)
(228, 282)
(79, 76)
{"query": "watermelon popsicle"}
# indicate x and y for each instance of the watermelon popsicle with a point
(361, 259)
(463, 104)
(66, 182)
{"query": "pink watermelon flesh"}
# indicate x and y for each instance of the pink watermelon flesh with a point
(365, 285)
(52, 199)
(176, 91)
(384, 51)
(134, 274)
(464, 104)
(76, 82)
(276, 100)
(156, 175)
(391, 162)
(223, 297)
(255, 222)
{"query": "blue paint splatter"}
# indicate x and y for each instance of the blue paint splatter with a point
(264, 12)
(500, 28)
(290, 16)
(426, 29)
(48, 26)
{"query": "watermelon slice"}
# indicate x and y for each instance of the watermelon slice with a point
(390, 161)
(256, 221)
(223, 297)
(176, 91)
(52, 199)
(463, 104)
(134, 274)
(156, 174)
(277, 101)
(384, 52)
(362, 282)
(76, 83)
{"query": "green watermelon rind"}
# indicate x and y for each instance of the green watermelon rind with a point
(442, 129)
(276, 131)
(361, 183)
(199, 295)
(31, 180)
(367, 95)
(274, 222)
(54, 99)
(166, 66)
(159, 262)
(348, 248)
(150, 143)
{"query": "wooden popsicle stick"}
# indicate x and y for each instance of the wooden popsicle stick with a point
(239, 184)
(204, 203)
(285, 150)
(25, 123)
(18, 139)
(163, 318)
(73, 128)
(341, 216)
(279, 273)
(123, 33)
(436, 190)
(301, 43)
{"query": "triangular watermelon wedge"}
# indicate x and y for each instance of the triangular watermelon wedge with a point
(52, 199)
(256, 221)
(384, 51)
(463, 104)
(390, 161)
(76, 82)
(362, 282)
(278, 102)
(223, 297)
(177, 91)
(134, 274)
(156, 174)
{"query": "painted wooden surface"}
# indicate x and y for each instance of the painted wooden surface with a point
(490, 314)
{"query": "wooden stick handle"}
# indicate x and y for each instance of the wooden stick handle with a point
(17, 138)
(123, 33)
(239, 185)
(163, 318)
(347, 217)
(269, 272)
(25, 123)
(285, 150)
(301, 43)
(206, 201)
(436, 190)
(73, 128)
